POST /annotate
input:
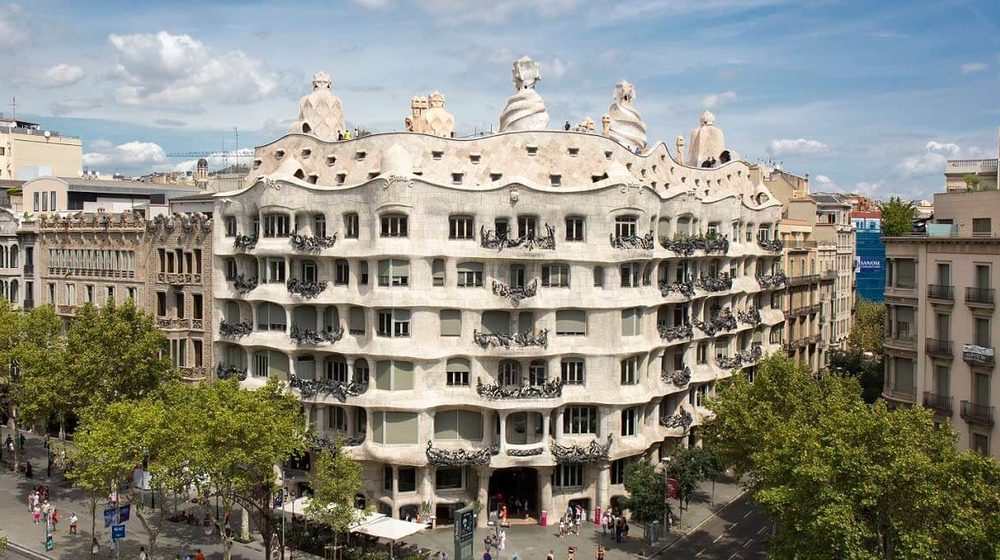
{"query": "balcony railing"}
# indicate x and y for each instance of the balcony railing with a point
(488, 239)
(312, 243)
(244, 242)
(339, 390)
(515, 294)
(676, 332)
(683, 420)
(897, 339)
(685, 288)
(495, 391)
(772, 281)
(971, 166)
(578, 454)
(803, 279)
(724, 321)
(941, 404)
(897, 394)
(938, 291)
(977, 355)
(678, 377)
(975, 413)
(686, 245)
(227, 372)
(937, 347)
(719, 283)
(773, 245)
(440, 457)
(979, 296)
(644, 242)
(307, 290)
(244, 285)
(829, 274)
(505, 340)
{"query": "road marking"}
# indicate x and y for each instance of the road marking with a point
(747, 514)
(733, 556)
(699, 553)
(717, 539)
(733, 525)
(762, 530)
(746, 544)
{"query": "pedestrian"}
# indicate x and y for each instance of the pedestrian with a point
(21, 441)
(28, 471)
(199, 555)
(36, 514)
(74, 523)
(55, 519)
(625, 527)
(562, 526)
(551, 555)
(600, 552)
(95, 547)
(486, 555)
(571, 553)
(142, 553)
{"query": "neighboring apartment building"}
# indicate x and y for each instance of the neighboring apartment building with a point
(521, 314)
(70, 194)
(11, 263)
(27, 151)
(981, 172)
(834, 228)
(942, 328)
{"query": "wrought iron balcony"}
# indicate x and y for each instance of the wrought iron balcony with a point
(772, 281)
(310, 336)
(719, 283)
(495, 392)
(683, 420)
(828, 274)
(244, 285)
(773, 245)
(244, 242)
(937, 291)
(687, 245)
(459, 457)
(979, 296)
(940, 404)
(504, 340)
(517, 293)
(488, 239)
(578, 454)
(936, 347)
(320, 443)
(173, 323)
(339, 390)
(803, 279)
(525, 451)
(685, 288)
(749, 317)
(228, 372)
(977, 355)
(307, 290)
(678, 377)
(899, 394)
(234, 329)
(975, 413)
(742, 358)
(312, 243)
(675, 332)
(724, 321)
(644, 242)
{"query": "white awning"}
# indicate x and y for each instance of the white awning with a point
(369, 523)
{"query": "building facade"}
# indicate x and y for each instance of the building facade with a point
(516, 315)
(870, 258)
(27, 151)
(941, 307)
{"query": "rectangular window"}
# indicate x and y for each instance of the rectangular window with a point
(36, 202)
(394, 322)
(198, 352)
(449, 478)
(568, 476)
(983, 276)
(52, 201)
(351, 226)
(111, 294)
(981, 227)
(230, 226)
(393, 376)
(626, 226)
(396, 428)
(574, 228)
(89, 292)
(571, 322)
(573, 372)
(407, 479)
(394, 225)
(179, 304)
(394, 272)
(231, 270)
(630, 421)
(702, 353)
(630, 370)
(196, 306)
(631, 275)
(618, 471)
(905, 273)
(555, 275)
(632, 321)
(457, 373)
(277, 225)
(944, 274)
(527, 226)
(903, 378)
(275, 268)
(341, 272)
(161, 304)
(460, 227)
(470, 275)
(580, 420)
(981, 327)
(319, 225)
(357, 321)
(451, 322)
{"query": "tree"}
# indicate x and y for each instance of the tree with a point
(867, 370)
(897, 217)
(690, 466)
(972, 181)
(646, 490)
(868, 333)
(843, 479)
(335, 480)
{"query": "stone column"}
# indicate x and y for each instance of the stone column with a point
(483, 495)
(603, 489)
(559, 423)
(308, 414)
(545, 493)
(503, 430)
(320, 424)
(427, 486)
(546, 420)
(395, 491)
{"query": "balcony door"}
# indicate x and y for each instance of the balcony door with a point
(982, 328)
(944, 274)
(982, 276)
(942, 325)
(981, 389)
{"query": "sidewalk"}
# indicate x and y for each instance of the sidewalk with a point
(16, 520)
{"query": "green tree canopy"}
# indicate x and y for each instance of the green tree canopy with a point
(335, 480)
(843, 479)
(897, 216)
(868, 332)
(690, 466)
(646, 491)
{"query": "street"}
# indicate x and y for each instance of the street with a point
(737, 532)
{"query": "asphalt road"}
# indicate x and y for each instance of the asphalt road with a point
(738, 532)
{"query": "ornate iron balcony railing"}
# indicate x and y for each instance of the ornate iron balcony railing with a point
(977, 413)
(742, 358)
(234, 329)
(941, 404)
(502, 340)
(676, 332)
(724, 321)
(488, 239)
(578, 454)
(749, 317)
(685, 288)
(678, 377)
(718, 283)
(244, 242)
(773, 245)
(310, 336)
(336, 389)
(494, 391)
(772, 281)
(683, 420)
(687, 245)
(227, 372)
(644, 242)
(244, 285)
(307, 290)
(517, 293)
(525, 451)
(317, 442)
(459, 457)
(311, 243)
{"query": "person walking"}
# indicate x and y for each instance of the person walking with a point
(36, 514)
(142, 553)
(199, 555)
(551, 555)
(74, 523)
(600, 552)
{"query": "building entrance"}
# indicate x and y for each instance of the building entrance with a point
(517, 489)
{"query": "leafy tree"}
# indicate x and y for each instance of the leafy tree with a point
(335, 480)
(843, 479)
(646, 489)
(972, 181)
(690, 466)
(868, 333)
(867, 370)
(897, 216)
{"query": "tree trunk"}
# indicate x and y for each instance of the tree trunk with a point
(93, 521)
(13, 426)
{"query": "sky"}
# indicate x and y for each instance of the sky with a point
(863, 96)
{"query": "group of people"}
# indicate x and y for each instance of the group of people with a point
(571, 521)
(347, 135)
(615, 524)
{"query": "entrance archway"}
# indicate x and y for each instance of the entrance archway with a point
(516, 488)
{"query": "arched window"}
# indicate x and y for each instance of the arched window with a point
(13, 291)
(271, 317)
(335, 369)
(361, 372)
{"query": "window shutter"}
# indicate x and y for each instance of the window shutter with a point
(571, 321)
(357, 320)
(383, 373)
(402, 376)
(400, 427)
(496, 322)
(451, 322)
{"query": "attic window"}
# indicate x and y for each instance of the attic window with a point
(532, 150)
(306, 153)
(313, 179)
(573, 152)
(360, 155)
(556, 180)
(256, 163)
(341, 178)
(437, 154)
(598, 178)
(495, 176)
(299, 174)
(456, 178)
(474, 158)
(373, 174)
(331, 160)
(607, 154)
(279, 154)
(628, 166)
(653, 184)
(642, 172)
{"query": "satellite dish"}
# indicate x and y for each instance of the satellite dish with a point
(48, 134)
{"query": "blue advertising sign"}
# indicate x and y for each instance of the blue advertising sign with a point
(870, 265)
(124, 513)
(109, 516)
(117, 532)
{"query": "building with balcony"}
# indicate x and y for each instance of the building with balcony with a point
(971, 174)
(11, 274)
(941, 307)
(512, 316)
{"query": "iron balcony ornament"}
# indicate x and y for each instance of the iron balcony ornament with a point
(644, 242)
(678, 377)
(742, 358)
(724, 321)
(459, 457)
(228, 372)
(550, 389)
(524, 452)
(682, 420)
(676, 332)
(749, 317)
(488, 239)
(320, 443)
(687, 245)
(719, 283)
(308, 290)
(244, 285)
(773, 245)
(245, 242)
(685, 288)
(515, 294)
(312, 243)
(234, 329)
(772, 281)
(304, 336)
(336, 389)
(578, 454)
(502, 340)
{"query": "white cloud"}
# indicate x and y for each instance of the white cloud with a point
(557, 68)
(824, 180)
(973, 67)
(798, 146)
(178, 70)
(67, 106)
(129, 154)
(373, 4)
(716, 100)
(63, 75)
(933, 159)
(13, 30)
(454, 12)
(826, 184)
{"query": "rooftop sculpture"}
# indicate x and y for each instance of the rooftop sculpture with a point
(708, 144)
(626, 125)
(525, 109)
(320, 113)
(430, 117)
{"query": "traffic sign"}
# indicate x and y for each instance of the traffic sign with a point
(673, 488)
(109, 516)
(117, 532)
(124, 513)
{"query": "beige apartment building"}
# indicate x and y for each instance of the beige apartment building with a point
(27, 151)
(941, 307)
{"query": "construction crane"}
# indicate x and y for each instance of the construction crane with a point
(226, 156)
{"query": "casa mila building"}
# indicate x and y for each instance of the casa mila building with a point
(508, 319)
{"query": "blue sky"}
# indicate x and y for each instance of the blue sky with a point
(869, 96)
